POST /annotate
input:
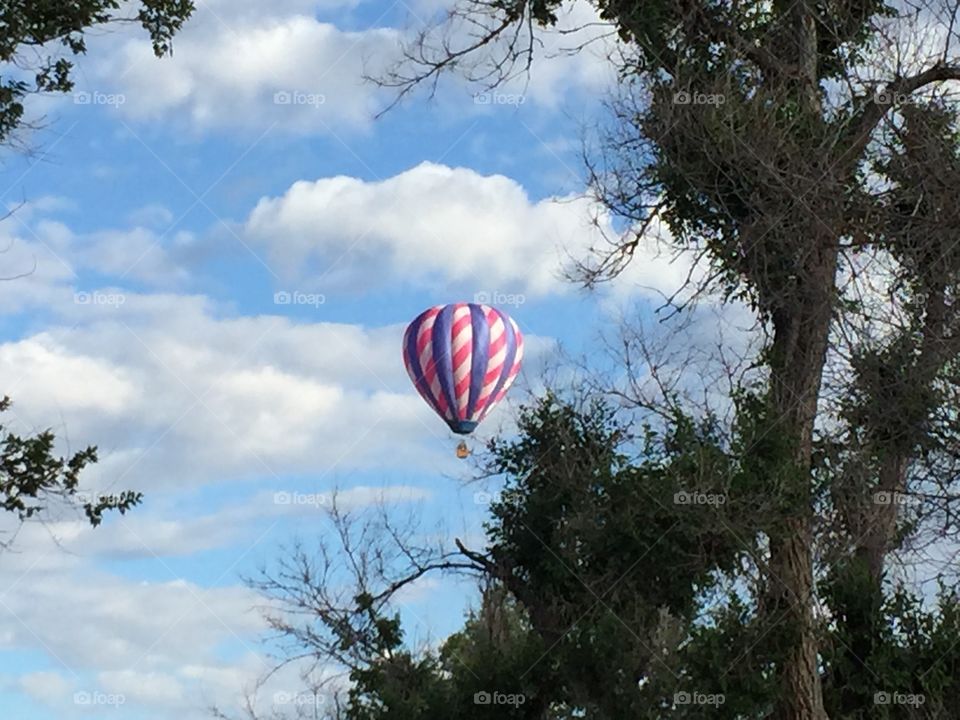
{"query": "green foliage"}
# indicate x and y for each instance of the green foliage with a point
(576, 513)
(399, 687)
(35, 33)
(605, 564)
(908, 648)
(886, 379)
(665, 31)
(630, 555)
(31, 475)
(777, 592)
(495, 652)
(611, 599)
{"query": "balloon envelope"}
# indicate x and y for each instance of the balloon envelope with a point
(462, 359)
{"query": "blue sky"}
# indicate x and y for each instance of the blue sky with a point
(169, 201)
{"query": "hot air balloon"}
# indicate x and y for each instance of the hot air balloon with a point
(462, 358)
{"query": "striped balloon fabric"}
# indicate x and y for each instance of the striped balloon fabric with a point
(462, 359)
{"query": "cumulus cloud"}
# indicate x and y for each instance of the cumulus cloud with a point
(118, 642)
(295, 71)
(112, 624)
(432, 223)
(156, 535)
(254, 66)
(41, 686)
(257, 397)
(42, 258)
(32, 272)
(432, 226)
(159, 645)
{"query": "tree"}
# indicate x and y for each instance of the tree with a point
(38, 38)
(32, 477)
(753, 130)
(805, 153)
(897, 439)
(623, 577)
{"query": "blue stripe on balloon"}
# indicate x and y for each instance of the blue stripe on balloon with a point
(479, 355)
(413, 360)
(442, 356)
(510, 358)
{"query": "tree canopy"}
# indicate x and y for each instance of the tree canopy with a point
(33, 477)
(38, 38)
(805, 155)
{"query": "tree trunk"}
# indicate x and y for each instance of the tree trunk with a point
(878, 538)
(801, 325)
(876, 529)
(791, 559)
(801, 331)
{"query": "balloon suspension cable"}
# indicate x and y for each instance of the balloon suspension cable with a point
(463, 452)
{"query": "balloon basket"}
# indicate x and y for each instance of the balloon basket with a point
(463, 452)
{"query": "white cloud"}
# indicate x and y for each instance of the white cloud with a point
(232, 59)
(45, 687)
(169, 411)
(104, 388)
(152, 215)
(436, 223)
(229, 73)
(139, 644)
(137, 253)
(31, 272)
(429, 221)
(151, 688)
(433, 226)
(151, 534)
(41, 257)
(111, 624)
(175, 395)
(148, 646)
